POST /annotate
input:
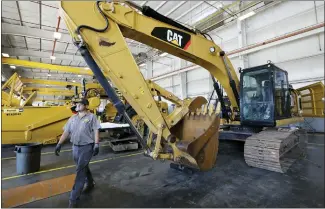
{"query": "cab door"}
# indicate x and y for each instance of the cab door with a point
(256, 96)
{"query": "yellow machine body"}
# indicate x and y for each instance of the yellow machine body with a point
(191, 130)
(33, 124)
(312, 100)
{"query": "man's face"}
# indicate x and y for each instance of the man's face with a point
(80, 107)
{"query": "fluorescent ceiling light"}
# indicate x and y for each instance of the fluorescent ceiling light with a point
(12, 67)
(249, 14)
(57, 35)
(143, 64)
(52, 57)
(73, 81)
(163, 54)
(87, 68)
(5, 55)
(48, 74)
(79, 75)
(47, 85)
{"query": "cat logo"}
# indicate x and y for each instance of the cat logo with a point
(175, 37)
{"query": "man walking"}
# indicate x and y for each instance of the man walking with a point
(84, 135)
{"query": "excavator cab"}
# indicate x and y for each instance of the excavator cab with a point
(264, 96)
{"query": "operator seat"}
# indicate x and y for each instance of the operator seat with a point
(266, 91)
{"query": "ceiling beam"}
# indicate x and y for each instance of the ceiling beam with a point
(50, 100)
(175, 8)
(144, 3)
(58, 83)
(21, 21)
(188, 11)
(19, 30)
(38, 54)
(51, 93)
(160, 5)
(38, 65)
(47, 90)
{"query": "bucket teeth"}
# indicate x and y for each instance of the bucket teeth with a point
(211, 109)
(218, 108)
(198, 111)
(205, 109)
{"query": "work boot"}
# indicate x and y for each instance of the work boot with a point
(72, 205)
(88, 187)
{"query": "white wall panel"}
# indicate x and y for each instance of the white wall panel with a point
(231, 45)
(276, 13)
(320, 11)
(288, 51)
(198, 87)
(177, 90)
(235, 63)
(197, 74)
(176, 80)
(166, 82)
(226, 34)
(282, 26)
(297, 48)
(169, 89)
(161, 70)
(166, 64)
(261, 57)
(310, 67)
(260, 35)
(321, 38)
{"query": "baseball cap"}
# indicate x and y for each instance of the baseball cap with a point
(82, 101)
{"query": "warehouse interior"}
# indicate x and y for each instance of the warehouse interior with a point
(200, 103)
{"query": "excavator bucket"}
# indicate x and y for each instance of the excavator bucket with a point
(198, 134)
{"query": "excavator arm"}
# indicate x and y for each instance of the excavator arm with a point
(99, 30)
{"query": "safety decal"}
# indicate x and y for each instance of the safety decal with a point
(13, 114)
(13, 110)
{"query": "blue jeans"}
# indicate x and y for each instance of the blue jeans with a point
(81, 156)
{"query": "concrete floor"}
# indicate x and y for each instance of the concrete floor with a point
(138, 181)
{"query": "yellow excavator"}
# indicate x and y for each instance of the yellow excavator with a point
(260, 102)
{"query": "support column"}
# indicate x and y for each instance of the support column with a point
(183, 81)
(183, 85)
(149, 66)
(241, 28)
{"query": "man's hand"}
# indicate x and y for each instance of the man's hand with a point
(96, 149)
(57, 149)
(63, 137)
